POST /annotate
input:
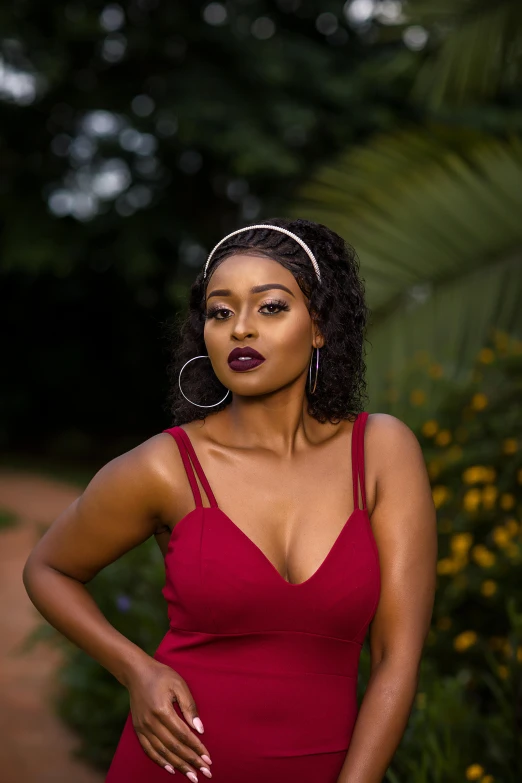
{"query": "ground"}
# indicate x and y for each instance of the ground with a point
(35, 747)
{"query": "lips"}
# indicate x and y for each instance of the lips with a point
(241, 359)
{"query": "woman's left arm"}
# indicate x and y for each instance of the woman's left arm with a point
(405, 529)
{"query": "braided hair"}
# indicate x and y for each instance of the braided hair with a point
(337, 303)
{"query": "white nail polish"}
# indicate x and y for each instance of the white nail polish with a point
(198, 725)
(170, 769)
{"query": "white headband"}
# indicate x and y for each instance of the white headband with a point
(275, 228)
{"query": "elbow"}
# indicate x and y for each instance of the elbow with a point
(31, 571)
(27, 575)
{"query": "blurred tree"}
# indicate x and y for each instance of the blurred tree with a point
(134, 135)
(476, 49)
(433, 208)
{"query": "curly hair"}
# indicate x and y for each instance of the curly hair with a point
(337, 303)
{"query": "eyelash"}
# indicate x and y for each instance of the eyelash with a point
(280, 303)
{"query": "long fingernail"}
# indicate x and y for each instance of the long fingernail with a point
(198, 725)
(206, 772)
(170, 769)
(206, 759)
(192, 777)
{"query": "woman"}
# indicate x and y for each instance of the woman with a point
(276, 562)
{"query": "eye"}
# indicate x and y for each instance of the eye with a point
(276, 306)
(279, 304)
(213, 313)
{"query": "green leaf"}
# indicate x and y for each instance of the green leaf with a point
(434, 215)
(476, 51)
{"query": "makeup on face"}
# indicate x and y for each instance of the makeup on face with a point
(241, 359)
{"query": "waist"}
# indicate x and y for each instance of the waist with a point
(277, 652)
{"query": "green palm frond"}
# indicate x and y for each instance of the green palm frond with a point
(436, 219)
(476, 48)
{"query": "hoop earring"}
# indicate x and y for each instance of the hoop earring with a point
(196, 403)
(310, 371)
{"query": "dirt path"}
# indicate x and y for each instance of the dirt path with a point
(35, 747)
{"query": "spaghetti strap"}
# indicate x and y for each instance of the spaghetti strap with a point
(199, 470)
(358, 458)
(175, 432)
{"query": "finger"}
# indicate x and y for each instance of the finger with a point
(176, 751)
(188, 707)
(154, 755)
(178, 762)
(178, 729)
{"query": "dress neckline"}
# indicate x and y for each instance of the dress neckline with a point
(256, 548)
(191, 461)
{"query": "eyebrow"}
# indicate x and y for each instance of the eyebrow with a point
(257, 289)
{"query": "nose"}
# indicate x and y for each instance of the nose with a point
(242, 327)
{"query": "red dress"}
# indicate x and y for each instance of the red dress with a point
(272, 665)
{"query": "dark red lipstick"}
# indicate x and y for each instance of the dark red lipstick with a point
(241, 359)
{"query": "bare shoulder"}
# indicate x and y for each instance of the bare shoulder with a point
(390, 428)
(393, 458)
(148, 466)
(389, 438)
(126, 502)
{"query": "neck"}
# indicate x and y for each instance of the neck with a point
(277, 422)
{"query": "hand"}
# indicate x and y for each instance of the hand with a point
(162, 734)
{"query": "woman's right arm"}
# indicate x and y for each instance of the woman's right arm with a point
(123, 505)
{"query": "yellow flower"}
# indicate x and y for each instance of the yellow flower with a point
(464, 640)
(472, 475)
(483, 556)
(513, 551)
(488, 587)
(503, 672)
(479, 473)
(486, 356)
(460, 543)
(507, 501)
(512, 527)
(443, 437)
(489, 495)
(455, 452)
(501, 536)
(446, 566)
(519, 654)
(439, 494)
(479, 401)
(519, 475)
(429, 428)
(510, 446)
(436, 371)
(487, 779)
(417, 397)
(474, 772)
(502, 339)
(471, 500)
(507, 649)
